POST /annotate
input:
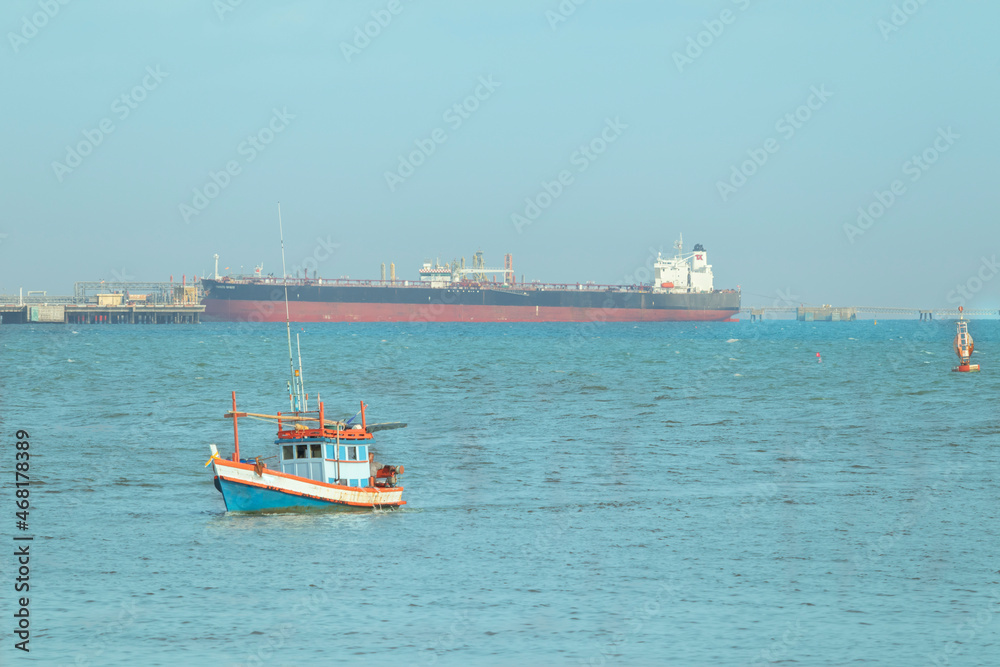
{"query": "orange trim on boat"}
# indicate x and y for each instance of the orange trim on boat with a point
(348, 434)
(247, 466)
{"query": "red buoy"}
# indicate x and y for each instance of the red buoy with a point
(964, 347)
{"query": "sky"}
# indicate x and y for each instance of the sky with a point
(822, 152)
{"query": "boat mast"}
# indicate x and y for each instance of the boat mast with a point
(294, 398)
(302, 381)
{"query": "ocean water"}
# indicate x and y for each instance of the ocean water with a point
(597, 494)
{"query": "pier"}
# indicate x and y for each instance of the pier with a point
(108, 303)
(826, 313)
(95, 314)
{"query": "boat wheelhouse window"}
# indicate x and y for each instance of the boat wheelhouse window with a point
(352, 454)
(316, 451)
(287, 452)
(301, 451)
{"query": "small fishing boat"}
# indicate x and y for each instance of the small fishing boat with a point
(322, 463)
(964, 347)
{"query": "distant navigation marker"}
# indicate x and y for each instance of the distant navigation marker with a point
(964, 346)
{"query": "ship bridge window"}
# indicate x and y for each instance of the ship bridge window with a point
(301, 451)
(316, 451)
(287, 452)
(352, 453)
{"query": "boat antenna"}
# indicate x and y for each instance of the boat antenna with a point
(294, 400)
(302, 381)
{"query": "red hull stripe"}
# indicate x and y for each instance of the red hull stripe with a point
(225, 310)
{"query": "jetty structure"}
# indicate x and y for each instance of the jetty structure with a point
(101, 302)
(828, 313)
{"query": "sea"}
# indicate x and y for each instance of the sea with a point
(732, 493)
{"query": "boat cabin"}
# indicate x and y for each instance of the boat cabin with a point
(339, 456)
(332, 452)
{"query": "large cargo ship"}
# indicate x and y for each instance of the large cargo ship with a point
(681, 290)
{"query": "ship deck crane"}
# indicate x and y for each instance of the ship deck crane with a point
(479, 269)
(463, 272)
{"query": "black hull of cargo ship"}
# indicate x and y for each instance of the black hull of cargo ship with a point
(323, 301)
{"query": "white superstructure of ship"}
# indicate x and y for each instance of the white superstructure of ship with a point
(683, 274)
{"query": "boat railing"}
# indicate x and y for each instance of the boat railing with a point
(454, 285)
(314, 424)
(344, 434)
